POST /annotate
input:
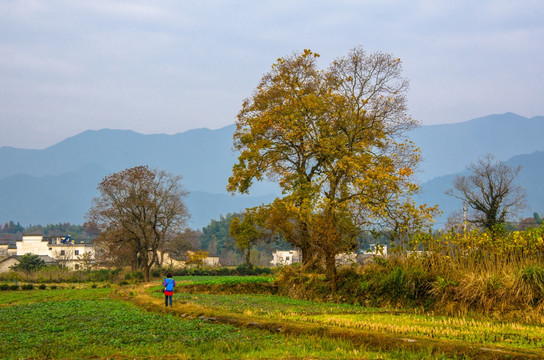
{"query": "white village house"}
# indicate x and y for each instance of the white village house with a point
(74, 254)
(53, 250)
(285, 257)
(289, 257)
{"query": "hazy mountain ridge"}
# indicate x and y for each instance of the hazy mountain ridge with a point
(530, 178)
(120, 149)
(57, 184)
(449, 148)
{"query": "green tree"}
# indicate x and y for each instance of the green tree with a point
(333, 140)
(12, 228)
(249, 230)
(215, 236)
(137, 208)
(29, 262)
(538, 218)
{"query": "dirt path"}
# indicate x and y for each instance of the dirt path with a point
(140, 296)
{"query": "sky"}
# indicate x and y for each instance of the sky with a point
(171, 66)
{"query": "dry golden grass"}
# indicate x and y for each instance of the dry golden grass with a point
(373, 338)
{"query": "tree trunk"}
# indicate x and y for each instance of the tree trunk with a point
(147, 270)
(248, 254)
(330, 269)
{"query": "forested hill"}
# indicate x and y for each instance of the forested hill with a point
(56, 184)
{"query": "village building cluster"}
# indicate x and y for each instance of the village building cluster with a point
(57, 250)
(80, 254)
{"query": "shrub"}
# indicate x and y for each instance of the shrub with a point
(103, 275)
(29, 262)
(4, 286)
(123, 282)
(14, 287)
(27, 287)
(53, 287)
(157, 272)
(533, 276)
(528, 284)
(42, 287)
(135, 276)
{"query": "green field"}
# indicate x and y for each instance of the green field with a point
(222, 280)
(131, 322)
(87, 323)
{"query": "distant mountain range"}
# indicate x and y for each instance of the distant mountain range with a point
(57, 184)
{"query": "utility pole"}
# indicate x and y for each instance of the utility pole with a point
(464, 218)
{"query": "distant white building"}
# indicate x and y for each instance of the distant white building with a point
(212, 261)
(7, 248)
(285, 257)
(60, 250)
(377, 249)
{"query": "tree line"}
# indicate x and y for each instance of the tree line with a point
(11, 229)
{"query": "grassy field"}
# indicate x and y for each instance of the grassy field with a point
(479, 332)
(222, 280)
(90, 323)
(128, 322)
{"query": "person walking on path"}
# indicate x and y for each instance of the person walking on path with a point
(169, 285)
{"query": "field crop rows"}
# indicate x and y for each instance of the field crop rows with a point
(222, 280)
(87, 323)
(463, 330)
(267, 305)
(100, 323)
(478, 332)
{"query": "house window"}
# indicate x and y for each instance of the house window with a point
(63, 252)
(50, 249)
(77, 252)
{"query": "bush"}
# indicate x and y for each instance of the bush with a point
(27, 287)
(4, 286)
(157, 272)
(103, 275)
(29, 262)
(14, 287)
(532, 276)
(42, 287)
(136, 276)
(123, 282)
(53, 287)
(241, 270)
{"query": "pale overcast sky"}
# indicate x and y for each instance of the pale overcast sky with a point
(170, 66)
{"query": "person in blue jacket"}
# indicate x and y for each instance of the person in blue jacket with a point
(169, 285)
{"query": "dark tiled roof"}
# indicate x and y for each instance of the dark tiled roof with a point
(11, 243)
(46, 258)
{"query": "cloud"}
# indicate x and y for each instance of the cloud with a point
(171, 65)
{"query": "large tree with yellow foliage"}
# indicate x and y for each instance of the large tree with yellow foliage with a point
(333, 140)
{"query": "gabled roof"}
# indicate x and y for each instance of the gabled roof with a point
(46, 258)
(11, 243)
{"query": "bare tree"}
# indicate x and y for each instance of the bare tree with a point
(139, 207)
(177, 245)
(489, 191)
